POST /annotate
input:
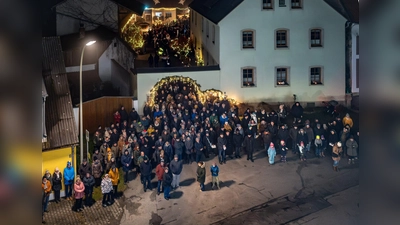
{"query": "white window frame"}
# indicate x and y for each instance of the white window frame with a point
(287, 76)
(321, 36)
(263, 5)
(254, 76)
(287, 38)
(321, 75)
(299, 7)
(253, 41)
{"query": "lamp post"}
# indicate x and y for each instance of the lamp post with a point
(80, 101)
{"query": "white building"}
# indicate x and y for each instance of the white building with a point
(270, 50)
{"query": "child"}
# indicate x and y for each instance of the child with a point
(302, 152)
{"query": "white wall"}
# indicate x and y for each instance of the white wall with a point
(120, 79)
(299, 57)
(73, 12)
(146, 81)
(355, 31)
(202, 40)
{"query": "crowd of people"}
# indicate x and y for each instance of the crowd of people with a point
(179, 129)
(160, 36)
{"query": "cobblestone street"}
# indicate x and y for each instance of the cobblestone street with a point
(62, 213)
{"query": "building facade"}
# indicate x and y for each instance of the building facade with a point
(270, 50)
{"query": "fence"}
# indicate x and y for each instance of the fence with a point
(100, 111)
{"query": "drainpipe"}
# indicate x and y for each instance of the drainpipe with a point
(72, 157)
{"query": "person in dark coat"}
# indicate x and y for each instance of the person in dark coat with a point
(302, 137)
(167, 181)
(133, 116)
(150, 60)
(267, 139)
(126, 161)
(88, 182)
(293, 136)
(145, 169)
(178, 146)
(229, 144)
(248, 143)
(207, 145)
(283, 134)
(124, 114)
(97, 170)
(221, 145)
(198, 146)
(297, 112)
(201, 174)
(237, 143)
(156, 60)
(283, 149)
(85, 168)
(57, 184)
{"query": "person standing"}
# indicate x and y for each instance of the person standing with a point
(114, 176)
(126, 161)
(160, 174)
(198, 146)
(214, 174)
(69, 175)
(297, 112)
(167, 180)
(156, 60)
(145, 168)
(293, 136)
(88, 182)
(310, 136)
(229, 144)
(97, 172)
(237, 142)
(318, 146)
(106, 189)
(352, 147)
(271, 153)
(79, 189)
(85, 168)
(336, 150)
(201, 174)
(283, 149)
(57, 185)
(150, 60)
(176, 169)
(221, 145)
(46, 187)
(347, 120)
(248, 143)
(179, 146)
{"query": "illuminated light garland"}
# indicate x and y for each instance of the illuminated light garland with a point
(133, 36)
(209, 94)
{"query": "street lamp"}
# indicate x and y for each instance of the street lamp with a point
(80, 100)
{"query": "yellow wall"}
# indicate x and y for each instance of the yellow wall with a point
(57, 158)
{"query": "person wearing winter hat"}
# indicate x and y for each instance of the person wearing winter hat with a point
(318, 146)
(302, 151)
(271, 153)
(69, 175)
(106, 190)
(336, 150)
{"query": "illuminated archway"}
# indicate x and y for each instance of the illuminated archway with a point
(209, 94)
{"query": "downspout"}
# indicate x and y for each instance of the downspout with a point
(73, 157)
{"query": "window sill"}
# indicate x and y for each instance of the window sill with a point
(267, 9)
(317, 84)
(248, 48)
(316, 46)
(282, 85)
(248, 86)
(281, 47)
(297, 7)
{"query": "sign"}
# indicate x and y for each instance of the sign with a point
(87, 135)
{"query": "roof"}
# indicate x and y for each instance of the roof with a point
(214, 10)
(166, 3)
(101, 33)
(349, 9)
(133, 5)
(59, 121)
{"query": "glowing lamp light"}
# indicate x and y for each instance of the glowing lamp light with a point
(90, 43)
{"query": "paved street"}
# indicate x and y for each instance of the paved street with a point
(251, 193)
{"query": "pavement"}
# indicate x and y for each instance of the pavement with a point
(293, 193)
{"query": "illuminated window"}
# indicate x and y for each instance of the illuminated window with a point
(282, 76)
(316, 75)
(168, 15)
(248, 77)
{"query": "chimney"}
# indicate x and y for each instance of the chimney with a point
(81, 31)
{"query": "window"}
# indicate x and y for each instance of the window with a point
(158, 14)
(247, 39)
(296, 4)
(248, 77)
(213, 34)
(316, 38)
(316, 75)
(281, 39)
(267, 4)
(282, 76)
(168, 15)
(148, 18)
(282, 3)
